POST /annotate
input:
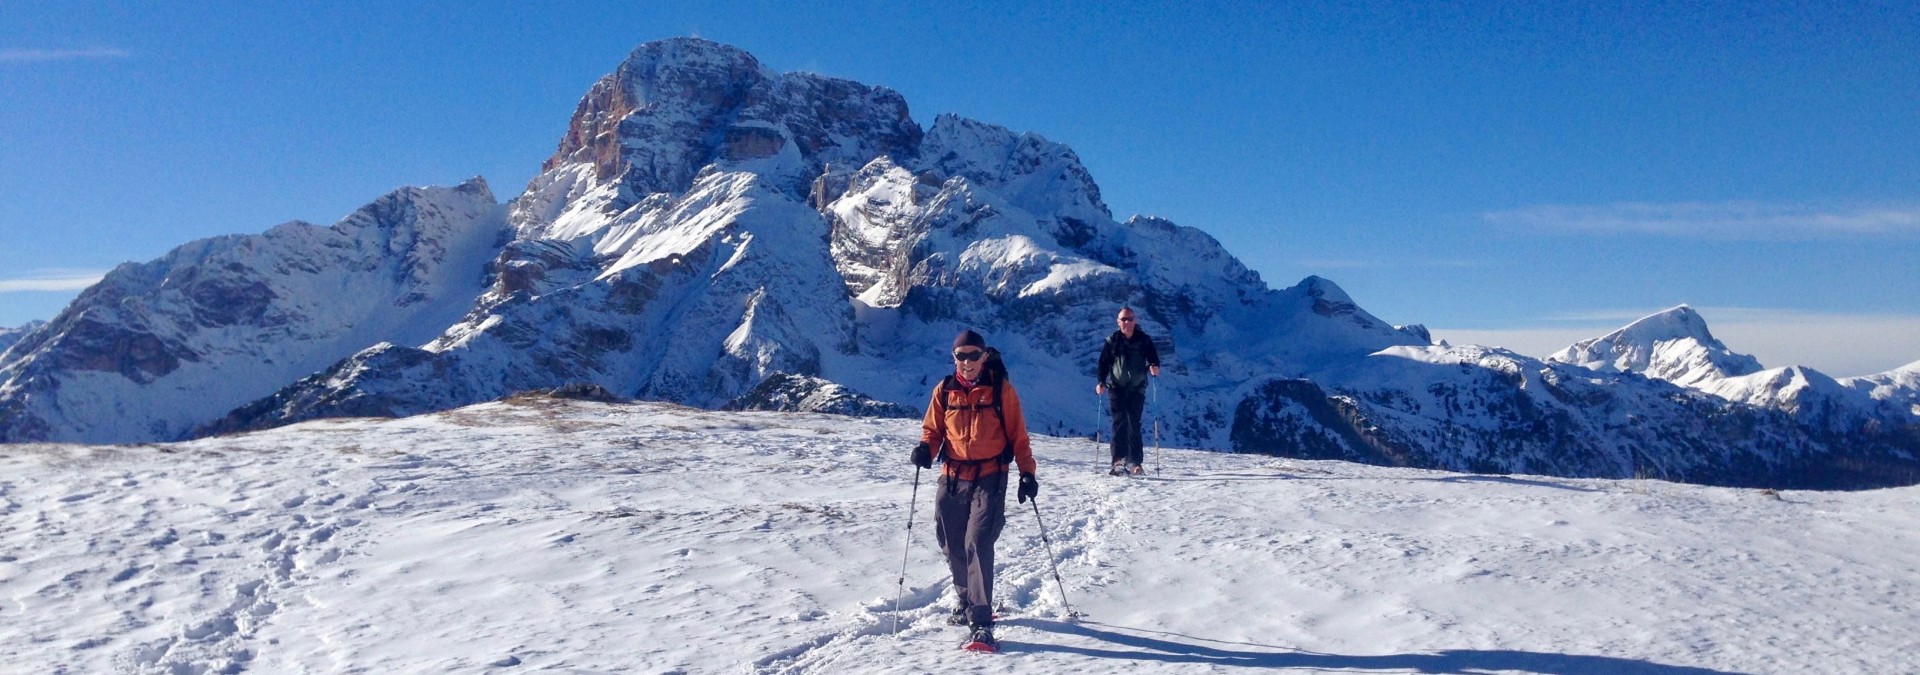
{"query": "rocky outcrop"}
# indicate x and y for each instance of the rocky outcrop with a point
(799, 393)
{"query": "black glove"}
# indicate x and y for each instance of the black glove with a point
(923, 456)
(1029, 487)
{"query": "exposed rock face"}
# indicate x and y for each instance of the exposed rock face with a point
(799, 393)
(715, 234)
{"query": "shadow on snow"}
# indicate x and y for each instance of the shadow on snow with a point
(1177, 648)
(1455, 478)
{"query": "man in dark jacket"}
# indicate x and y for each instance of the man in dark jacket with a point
(975, 424)
(1125, 362)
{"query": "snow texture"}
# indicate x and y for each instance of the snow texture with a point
(537, 535)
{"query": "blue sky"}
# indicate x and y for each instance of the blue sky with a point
(1522, 174)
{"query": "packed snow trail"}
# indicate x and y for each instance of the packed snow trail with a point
(537, 535)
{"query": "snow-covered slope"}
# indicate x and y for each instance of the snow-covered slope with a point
(1673, 345)
(1899, 387)
(9, 336)
(156, 349)
(536, 535)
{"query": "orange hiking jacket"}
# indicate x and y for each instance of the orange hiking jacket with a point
(970, 430)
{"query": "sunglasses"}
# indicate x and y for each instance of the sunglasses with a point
(971, 355)
(1126, 319)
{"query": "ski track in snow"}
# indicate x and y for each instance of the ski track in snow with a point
(538, 535)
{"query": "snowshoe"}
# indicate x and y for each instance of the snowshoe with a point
(958, 617)
(1119, 469)
(981, 640)
(1136, 470)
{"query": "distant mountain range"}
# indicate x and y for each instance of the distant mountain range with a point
(713, 233)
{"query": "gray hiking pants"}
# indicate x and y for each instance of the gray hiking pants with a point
(969, 516)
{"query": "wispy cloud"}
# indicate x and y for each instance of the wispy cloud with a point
(45, 55)
(1722, 220)
(52, 280)
(1381, 263)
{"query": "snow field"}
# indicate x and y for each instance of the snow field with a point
(539, 535)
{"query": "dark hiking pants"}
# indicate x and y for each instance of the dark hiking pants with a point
(970, 515)
(1127, 405)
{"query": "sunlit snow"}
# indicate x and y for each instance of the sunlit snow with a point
(537, 535)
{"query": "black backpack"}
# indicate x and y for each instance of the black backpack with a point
(1129, 370)
(998, 369)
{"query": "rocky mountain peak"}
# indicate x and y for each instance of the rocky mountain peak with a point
(679, 84)
(677, 108)
(1328, 298)
(1036, 174)
(477, 188)
(1323, 289)
(1677, 323)
(1672, 345)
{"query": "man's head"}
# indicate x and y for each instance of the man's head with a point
(1126, 321)
(969, 351)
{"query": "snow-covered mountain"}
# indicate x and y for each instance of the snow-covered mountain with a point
(1673, 345)
(8, 336)
(1899, 387)
(157, 349)
(1676, 346)
(536, 535)
(712, 233)
(850, 256)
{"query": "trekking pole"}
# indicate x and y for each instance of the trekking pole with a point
(911, 506)
(1099, 420)
(1051, 560)
(1156, 428)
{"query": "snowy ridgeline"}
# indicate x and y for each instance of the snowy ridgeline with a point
(545, 534)
(715, 234)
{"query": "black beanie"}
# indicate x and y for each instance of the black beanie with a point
(968, 338)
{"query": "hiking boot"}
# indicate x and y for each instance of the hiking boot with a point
(981, 639)
(958, 617)
(1119, 469)
(1136, 469)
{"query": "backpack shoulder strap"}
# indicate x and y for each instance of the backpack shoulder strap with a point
(940, 392)
(1006, 454)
